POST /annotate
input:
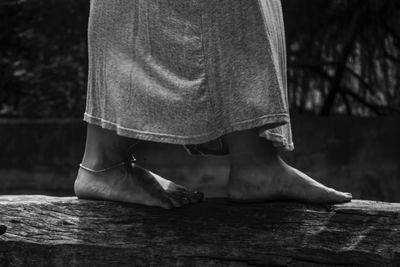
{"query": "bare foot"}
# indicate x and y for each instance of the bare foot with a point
(254, 179)
(133, 184)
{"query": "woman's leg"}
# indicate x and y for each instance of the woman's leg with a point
(259, 174)
(127, 183)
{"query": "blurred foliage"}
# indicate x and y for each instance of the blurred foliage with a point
(343, 57)
(43, 59)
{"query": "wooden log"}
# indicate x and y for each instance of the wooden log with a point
(65, 231)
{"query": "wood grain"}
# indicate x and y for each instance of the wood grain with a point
(40, 230)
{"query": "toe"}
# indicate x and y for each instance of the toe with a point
(181, 188)
(192, 196)
(176, 202)
(347, 196)
(165, 203)
(337, 196)
(179, 198)
(188, 195)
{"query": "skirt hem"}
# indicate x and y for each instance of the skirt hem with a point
(278, 140)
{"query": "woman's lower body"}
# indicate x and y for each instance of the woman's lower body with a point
(209, 75)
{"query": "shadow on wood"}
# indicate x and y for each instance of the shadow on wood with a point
(64, 231)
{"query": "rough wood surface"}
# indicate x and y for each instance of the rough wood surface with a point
(52, 231)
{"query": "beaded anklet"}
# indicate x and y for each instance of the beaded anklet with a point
(108, 168)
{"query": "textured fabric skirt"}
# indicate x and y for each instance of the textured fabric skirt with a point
(188, 71)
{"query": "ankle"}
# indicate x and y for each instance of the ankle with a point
(247, 145)
(254, 158)
(101, 161)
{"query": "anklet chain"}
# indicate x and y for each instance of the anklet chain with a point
(108, 168)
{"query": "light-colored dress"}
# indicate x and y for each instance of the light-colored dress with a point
(188, 71)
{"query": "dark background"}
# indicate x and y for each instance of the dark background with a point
(343, 67)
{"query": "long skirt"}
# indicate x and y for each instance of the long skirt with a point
(188, 72)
